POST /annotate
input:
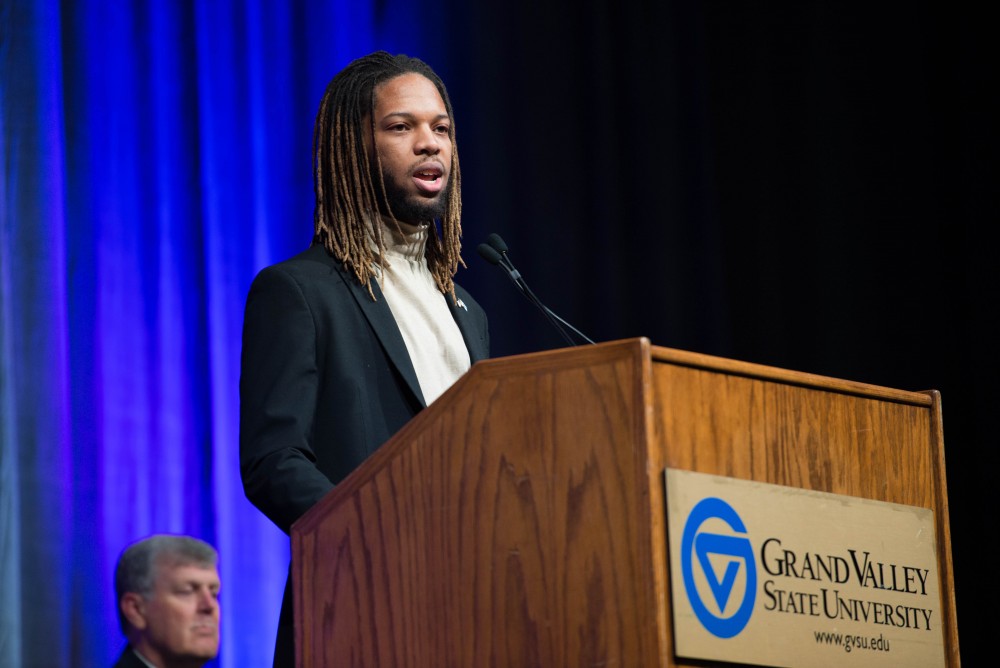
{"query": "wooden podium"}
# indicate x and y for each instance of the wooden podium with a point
(520, 519)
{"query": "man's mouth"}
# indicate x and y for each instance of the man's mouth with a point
(429, 178)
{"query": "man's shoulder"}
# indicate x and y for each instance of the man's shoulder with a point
(314, 258)
(315, 261)
(313, 275)
(128, 659)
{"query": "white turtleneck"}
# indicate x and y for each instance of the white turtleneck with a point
(432, 337)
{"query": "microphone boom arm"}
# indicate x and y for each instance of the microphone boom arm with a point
(495, 252)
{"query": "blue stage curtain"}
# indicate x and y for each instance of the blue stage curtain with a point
(156, 155)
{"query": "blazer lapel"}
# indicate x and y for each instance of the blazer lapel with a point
(384, 325)
(467, 325)
(380, 317)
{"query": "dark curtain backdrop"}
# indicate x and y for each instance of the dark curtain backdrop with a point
(806, 185)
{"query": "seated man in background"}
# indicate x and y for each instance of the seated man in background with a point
(167, 589)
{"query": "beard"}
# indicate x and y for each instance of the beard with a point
(409, 207)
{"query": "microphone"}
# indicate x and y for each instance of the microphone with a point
(494, 251)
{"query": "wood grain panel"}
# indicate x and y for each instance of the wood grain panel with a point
(788, 428)
(520, 519)
(508, 525)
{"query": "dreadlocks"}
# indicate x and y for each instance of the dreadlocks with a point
(346, 192)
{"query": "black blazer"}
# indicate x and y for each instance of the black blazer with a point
(325, 379)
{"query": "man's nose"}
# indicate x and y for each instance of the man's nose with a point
(208, 601)
(428, 142)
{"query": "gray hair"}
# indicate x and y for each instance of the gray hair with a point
(139, 563)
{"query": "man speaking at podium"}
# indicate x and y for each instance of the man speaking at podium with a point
(345, 342)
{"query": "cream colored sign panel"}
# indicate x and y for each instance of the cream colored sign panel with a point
(777, 576)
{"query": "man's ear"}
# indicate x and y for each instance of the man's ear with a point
(134, 609)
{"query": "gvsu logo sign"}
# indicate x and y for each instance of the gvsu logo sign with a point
(720, 576)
